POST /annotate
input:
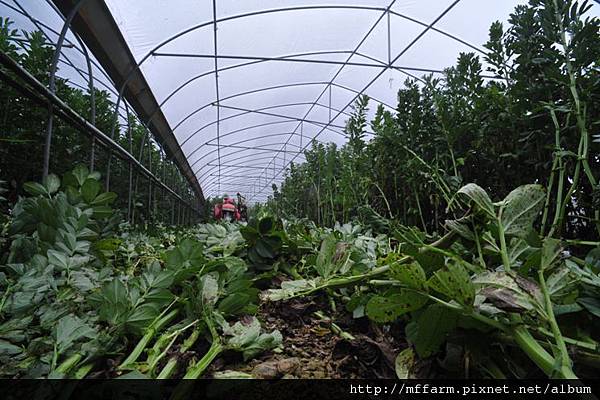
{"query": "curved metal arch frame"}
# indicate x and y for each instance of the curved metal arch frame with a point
(286, 9)
(258, 61)
(258, 110)
(258, 138)
(398, 56)
(291, 119)
(225, 179)
(287, 117)
(67, 61)
(240, 157)
(256, 149)
(214, 22)
(37, 22)
(255, 138)
(388, 11)
(218, 20)
(235, 169)
(240, 166)
(263, 89)
(246, 129)
(331, 81)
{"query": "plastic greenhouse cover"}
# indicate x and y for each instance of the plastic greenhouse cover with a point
(288, 71)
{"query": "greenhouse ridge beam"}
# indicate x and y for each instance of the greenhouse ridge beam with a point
(98, 29)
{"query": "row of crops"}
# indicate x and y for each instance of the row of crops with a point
(460, 241)
(87, 296)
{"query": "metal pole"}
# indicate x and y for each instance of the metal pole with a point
(150, 199)
(130, 188)
(329, 103)
(52, 87)
(389, 39)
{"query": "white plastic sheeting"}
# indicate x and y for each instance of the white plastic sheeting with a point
(241, 130)
(288, 70)
(29, 16)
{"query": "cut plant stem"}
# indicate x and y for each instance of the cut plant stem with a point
(159, 351)
(151, 331)
(536, 352)
(196, 370)
(83, 370)
(334, 327)
(66, 366)
(169, 368)
(520, 332)
(349, 280)
(579, 343)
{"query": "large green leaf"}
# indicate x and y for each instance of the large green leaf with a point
(141, 317)
(90, 189)
(102, 212)
(71, 329)
(265, 225)
(248, 339)
(80, 173)
(405, 363)
(460, 227)
(35, 189)
(264, 249)
(58, 259)
(210, 289)
(188, 254)
(9, 349)
(429, 331)
(105, 198)
(113, 302)
(233, 303)
(389, 308)
(592, 304)
(454, 282)
(411, 275)
(551, 249)
(478, 196)
(520, 209)
(324, 261)
(52, 183)
(289, 289)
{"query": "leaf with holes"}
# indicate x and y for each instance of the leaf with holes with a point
(389, 308)
(454, 282)
(478, 196)
(411, 275)
(520, 208)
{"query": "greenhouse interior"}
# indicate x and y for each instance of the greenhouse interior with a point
(376, 189)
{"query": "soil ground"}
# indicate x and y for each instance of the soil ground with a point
(312, 350)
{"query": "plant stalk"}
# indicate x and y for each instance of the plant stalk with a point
(151, 331)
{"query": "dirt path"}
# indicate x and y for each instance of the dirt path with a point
(312, 350)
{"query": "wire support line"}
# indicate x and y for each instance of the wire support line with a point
(398, 56)
(338, 72)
